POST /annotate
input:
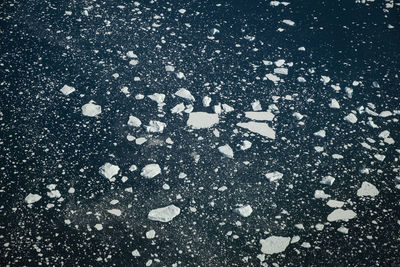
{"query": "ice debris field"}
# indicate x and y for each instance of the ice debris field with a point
(202, 133)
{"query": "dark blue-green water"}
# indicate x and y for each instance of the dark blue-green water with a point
(45, 139)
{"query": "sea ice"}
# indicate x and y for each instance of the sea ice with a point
(341, 215)
(151, 170)
(91, 109)
(164, 214)
(351, 118)
(134, 121)
(32, 198)
(185, 94)
(200, 120)
(274, 244)
(334, 104)
(244, 211)
(226, 150)
(259, 128)
(367, 189)
(66, 89)
(108, 170)
(260, 115)
(274, 176)
(155, 127)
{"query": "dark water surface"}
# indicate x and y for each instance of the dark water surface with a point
(45, 139)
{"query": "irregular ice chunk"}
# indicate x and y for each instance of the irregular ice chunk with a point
(134, 121)
(108, 170)
(351, 118)
(244, 211)
(260, 115)
(320, 133)
(200, 120)
(298, 115)
(54, 194)
(155, 127)
(256, 106)
(151, 170)
(259, 128)
(185, 94)
(288, 22)
(379, 157)
(327, 180)
(32, 198)
(282, 71)
(272, 77)
(321, 194)
(325, 79)
(385, 114)
(98, 227)
(274, 176)
(150, 234)
(164, 214)
(217, 109)
(90, 109)
(135, 253)
(226, 150)
(169, 68)
(274, 244)
(206, 101)
(227, 108)
(130, 54)
(66, 89)
(334, 104)
(133, 62)
(341, 215)
(245, 145)
(301, 79)
(367, 189)
(115, 212)
(279, 62)
(179, 108)
(335, 204)
(159, 98)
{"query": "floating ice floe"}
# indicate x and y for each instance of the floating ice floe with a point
(281, 71)
(256, 106)
(367, 189)
(226, 150)
(130, 54)
(151, 170)
(155, 127)
(288, 22)
(66, 89)
(115, 212)
(351, 118)
(274, 244)
(206, 101)
(169, 68)
(274, 176)
(91, 109)
(179, 108)
(108, 170)
(325, 79)
(320, 133)
(244, 211)
(259, 128)
(150, 234)
(158, 98)
(185, 94)
(32, 198)
(201, 120)
(327, 180)
(341, 215)
(260, 115)
(245, 145)
(272, 77)
(335, 203)
(135, 253)
(165, 214)
(334, 104)
(227, 108)
(134, 121)
(321, 194)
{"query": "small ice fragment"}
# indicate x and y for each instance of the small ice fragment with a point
(379, 157)
(244, 211)
(298, 116)
(272, 77)
(179, 108)
(226, 150)
(327, 180)
(32, 198)
(180, 75)
(351, 118)
(169, 68)
(90, 109)
(335, 204)
(135, 253)
(325, 79)
(217, 109)
(227, 108)
(54, 194)
(134, 121)
(334, 104)
(282, 71)
(185, 94)
(158, 98)
(155, 127)
(150, 170)
(341, 215)
(140, 140)
(375, 84)
(288, 22)
(279, 62)
(274, 244)
(98, 227)
(150, 234)
(164, 214)
(214, 31)
(343, 230)
(206, 101)
(320, 133)
(182, 11)
(108, 170)
(256, 106)
(274, 176)
(337, 156)
(367, 189)
(385, 114)
(201, 120)
(245, 145)
(301, 79)
(133, 62)
(321, 194)
(115, 212)
(133, 168)
(66, 89)
(130, 54)
(260, 115)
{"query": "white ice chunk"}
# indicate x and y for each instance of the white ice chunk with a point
(288, 22)
(227, 108)
(259, 128)
(351, 118)
(327, 180)
(380, 157)
(66, 89)
(98, 226)
(279, 62)
(179, 108)
(335, 203)
(90, 109)
(321, 194)
(185, 94)
(135, 253)
(282, 71)
(200, 120)
(274, 176)
(367, 189)
(298, 115)
(133, 62)
(158, 98)
(130, 54)
(134, 121)
(226, 150)
(320, 133)
(260, 115)
(217, 109)
(341, 215)
(274, 244)
(334, 104)
(272, 77)
(150, 234)
(244, 211)
(108, 170)
(301, 79)
(206, 101)
(245, 145)
(151, 170)
(256, 106)
(164, 214)
(155, 127)
(325, 79)
(115, 212)
(32, 198)
(385, 114)
(169, 68)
